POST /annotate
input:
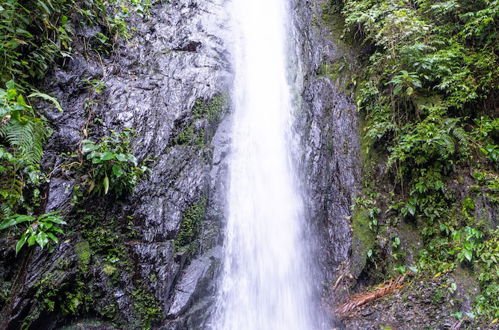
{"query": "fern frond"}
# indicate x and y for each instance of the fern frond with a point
(26, 138)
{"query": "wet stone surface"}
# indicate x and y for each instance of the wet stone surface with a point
(176, 59)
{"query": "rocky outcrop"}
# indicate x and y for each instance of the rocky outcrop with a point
(329, 127)
(161, 83)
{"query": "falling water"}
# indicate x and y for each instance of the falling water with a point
(265, 282)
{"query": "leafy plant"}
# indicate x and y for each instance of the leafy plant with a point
(41, 229)
(427, 90)
(111, 165)
(20, 128)
(98, 86)
(22, 134)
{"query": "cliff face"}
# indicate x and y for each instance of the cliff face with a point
(329, 126)
(168, 83)
(129, 261)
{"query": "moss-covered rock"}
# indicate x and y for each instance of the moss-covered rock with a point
(363, 241)
(190, 226)
(84, 254)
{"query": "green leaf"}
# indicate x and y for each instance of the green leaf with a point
(10, 84)
(21, 242)
(117, 171)
(57, 230)
(411, 209)
(468, 254)
(105, 182)
(108, 155)
(42, 239)
(53, 238)
(9, 222)
(88, 146)
(56, 219)
(47, 97)
(31, 240)
(121, 157)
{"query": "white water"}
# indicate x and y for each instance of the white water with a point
(265, 282)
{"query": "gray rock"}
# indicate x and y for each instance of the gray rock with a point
(328, 124)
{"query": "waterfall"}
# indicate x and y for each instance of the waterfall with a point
(265, 282)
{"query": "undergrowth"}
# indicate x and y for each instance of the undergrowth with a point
(34, 36)
(427, 90)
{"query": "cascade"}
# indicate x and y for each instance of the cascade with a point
(265, 279)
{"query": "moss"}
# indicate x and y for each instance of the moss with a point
(330, 70)
(5, 292)
(84, 254)
(209, 110)
(45, 298)
(363, 239)
(109, 311)
(185, 136)
(109, 270)
(342, 72)
(191, 223)
(147, 307)
(104, 237)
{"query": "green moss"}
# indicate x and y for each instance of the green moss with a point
(109, 269)
(84, 254)
(104, 238)
(5, 292)
(363, 239)
(109, 311)
(147, 307)
(185, 136)
(330, 70)
(191, 223)
(210, 110)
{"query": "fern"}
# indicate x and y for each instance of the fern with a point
(26, 138)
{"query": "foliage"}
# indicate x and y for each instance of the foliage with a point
(205, 112)
(41, 229)
(34, 35)
(111, 165)
(20, 127)
(22, 134)
(147, 306)
(428, 91)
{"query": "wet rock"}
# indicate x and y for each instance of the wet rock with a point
(61, 190)
(329, 130)
(152, 83)
(191, 282)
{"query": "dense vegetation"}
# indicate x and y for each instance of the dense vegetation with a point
(427, 87)
(34, 35)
